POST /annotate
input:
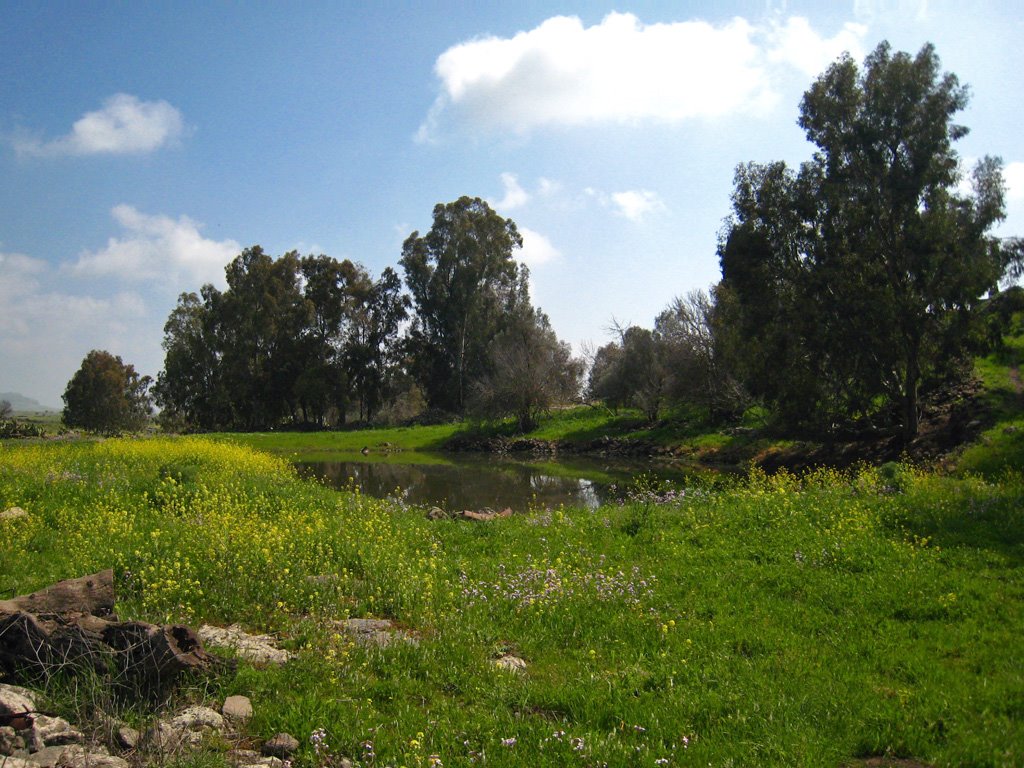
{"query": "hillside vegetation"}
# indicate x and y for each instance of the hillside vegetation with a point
(782, 621)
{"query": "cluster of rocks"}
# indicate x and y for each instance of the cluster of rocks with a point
(29, 738)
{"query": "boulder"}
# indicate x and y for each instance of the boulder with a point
(53, 732)
(283, 745)
(259, 649)
(10, 741)
(237, 709)
(15, 700)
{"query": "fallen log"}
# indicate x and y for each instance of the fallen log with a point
(71, 626)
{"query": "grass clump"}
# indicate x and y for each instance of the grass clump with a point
(781, 620)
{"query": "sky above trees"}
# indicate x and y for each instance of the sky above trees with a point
(142, 148)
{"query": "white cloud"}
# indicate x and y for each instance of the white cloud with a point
(537, 249)
(797, 44)
(515, 195)
(158, 248)
(622, 71)
(1013, 174)
(45, 333)
(125, 125)
(634, 204)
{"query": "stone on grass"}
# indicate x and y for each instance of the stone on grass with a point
(380, 632)
(283, 745)
(259, 649)
(248, 758)
(14, 513)
(76, 756)
(237, 708)
(510, 663)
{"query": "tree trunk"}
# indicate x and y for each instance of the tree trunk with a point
(71, 626)
(910, 385)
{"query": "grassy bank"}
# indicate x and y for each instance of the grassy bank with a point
(778, 622)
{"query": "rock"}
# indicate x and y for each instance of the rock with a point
(18, 762)
(15, 700)
(198, 719)
(375, 632)
(436, 513)
(259, 649)
(14, 513)
(126, 737)
(237, 708)
(247, 758)
(283, 745)
(10, 741)
(164, 738)
(484, 515)
(53, 732)
(510, 663)
(76, 756)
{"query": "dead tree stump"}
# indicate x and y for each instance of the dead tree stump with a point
(71, 626)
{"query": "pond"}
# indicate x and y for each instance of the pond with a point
(466, 481)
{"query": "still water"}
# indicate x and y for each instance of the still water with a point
(473, 482)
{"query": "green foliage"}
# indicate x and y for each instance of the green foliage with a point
(300, 341)
(531, 371)
(854, 280)
(107, 396)
(465, 285)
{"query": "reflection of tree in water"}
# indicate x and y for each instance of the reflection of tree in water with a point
(472, 484)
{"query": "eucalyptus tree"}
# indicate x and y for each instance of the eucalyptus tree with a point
(465, 284)
(860, 274)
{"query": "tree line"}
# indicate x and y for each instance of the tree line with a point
(848, 286)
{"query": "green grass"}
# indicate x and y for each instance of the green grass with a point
(379, 441)
(1001, 447)
(772, 622)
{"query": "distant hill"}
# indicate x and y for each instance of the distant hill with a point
(22, 403)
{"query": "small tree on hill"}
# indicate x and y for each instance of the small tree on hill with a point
(107, 396)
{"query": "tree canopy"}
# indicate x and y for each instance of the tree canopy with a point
(107, 396)
(465, 284)
(854, 279)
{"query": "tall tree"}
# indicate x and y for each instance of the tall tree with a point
(464, 284)
(878, 263)
(105, 395)
(531, 372)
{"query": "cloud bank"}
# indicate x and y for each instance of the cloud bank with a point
(125, 125)
(158, 248)
(623, 71)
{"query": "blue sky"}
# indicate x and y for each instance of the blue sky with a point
(142, 145)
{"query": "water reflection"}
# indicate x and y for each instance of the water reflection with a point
(477, 482)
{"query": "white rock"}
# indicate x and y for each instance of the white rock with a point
(259, 649)
(510, 663)
(14, 513)
(198, 718)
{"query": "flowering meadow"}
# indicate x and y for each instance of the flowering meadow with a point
(829, 619)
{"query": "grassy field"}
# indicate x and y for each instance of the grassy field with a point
(819, 621)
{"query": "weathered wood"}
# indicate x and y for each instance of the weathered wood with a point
(72, 626)
(92, 595)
